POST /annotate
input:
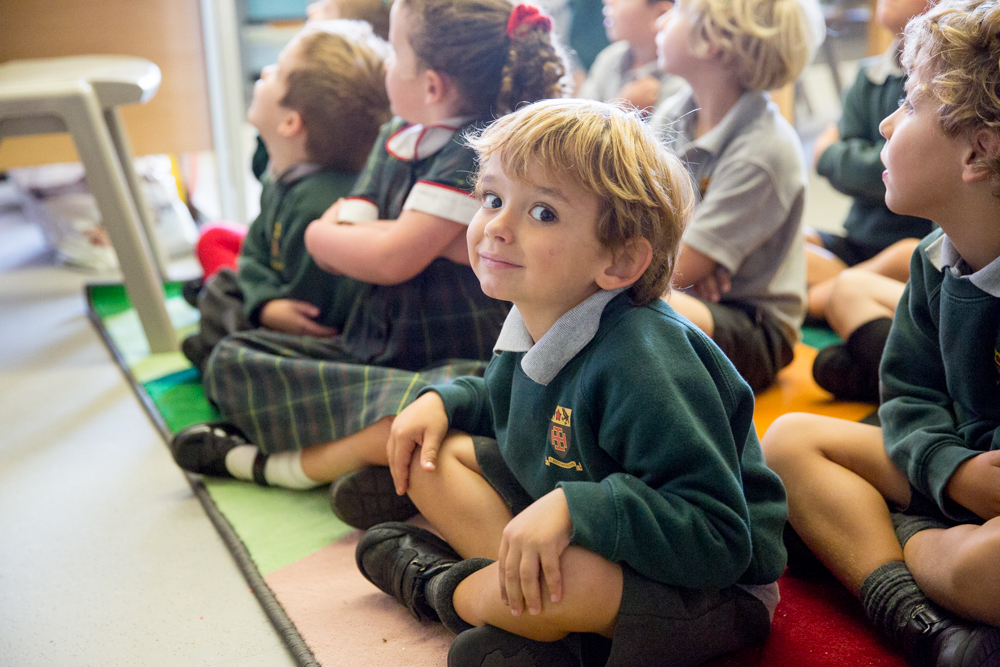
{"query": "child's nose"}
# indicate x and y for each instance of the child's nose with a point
(498, 229)
(885, 127)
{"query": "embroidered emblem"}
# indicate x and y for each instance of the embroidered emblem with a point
(559, 431)
(276, 263)
(560, 439)
(996, 360)
(703, 185)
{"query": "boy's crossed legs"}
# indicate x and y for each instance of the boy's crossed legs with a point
(595, 595)
(840, 483)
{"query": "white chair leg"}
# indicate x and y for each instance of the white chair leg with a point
(109, 185)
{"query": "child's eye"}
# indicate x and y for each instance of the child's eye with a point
(904, 103)
(543, 214)
(491, 201)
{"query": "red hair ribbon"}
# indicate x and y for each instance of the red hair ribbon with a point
(529, 15)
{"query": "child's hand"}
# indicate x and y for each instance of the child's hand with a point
(530, 549)
(294, 317)
(713, 286)
(642, 93)
(827, 138)
(976, 485)
(423, 423)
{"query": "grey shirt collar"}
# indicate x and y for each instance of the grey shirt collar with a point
(749, 107)
(570, 334)
(943, 254)
(887, 65)
(295, 172)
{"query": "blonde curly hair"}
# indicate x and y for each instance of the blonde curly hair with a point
(643, 189)
(953, 52)
(766, 43)
(467, 41)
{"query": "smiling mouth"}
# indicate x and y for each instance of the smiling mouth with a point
(496, 262)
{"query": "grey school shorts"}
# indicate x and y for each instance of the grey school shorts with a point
(752, 339)
(657, 624)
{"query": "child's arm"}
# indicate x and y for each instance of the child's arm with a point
(852, 164)
(740, 212)
(463, 405)
(918, 417)
(383, 254)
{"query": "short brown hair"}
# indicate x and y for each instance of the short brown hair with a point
(953, 50)
(338, 88)
(466, 40)
(767, 43)
(643, 189)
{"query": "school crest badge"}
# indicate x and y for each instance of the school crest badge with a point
(561, 438)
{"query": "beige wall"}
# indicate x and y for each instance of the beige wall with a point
(167, 32)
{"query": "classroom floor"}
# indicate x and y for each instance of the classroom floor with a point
(106, 557)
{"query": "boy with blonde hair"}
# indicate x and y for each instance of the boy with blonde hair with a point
(908, 516)
(741, 269)
(608, 460)
(318, 111)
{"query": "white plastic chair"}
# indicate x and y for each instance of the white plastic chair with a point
(81, 95)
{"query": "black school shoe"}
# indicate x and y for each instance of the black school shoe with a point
(191, 289)
(367, 497)
(487, 646)
(202, 448)
(400, 559)
(837, 371)
(934, 638)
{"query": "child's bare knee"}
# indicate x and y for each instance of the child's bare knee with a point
(978, 556)
(785, 441)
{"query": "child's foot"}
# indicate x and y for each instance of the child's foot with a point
(191, 289)
(367, 496)
(936, 638)
(836, 371)
(202, 448)
(483, 646)
(400, 559)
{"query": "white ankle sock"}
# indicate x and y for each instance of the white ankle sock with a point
(285, 469)
(239, 462)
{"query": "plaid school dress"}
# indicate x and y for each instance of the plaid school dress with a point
(290, 392)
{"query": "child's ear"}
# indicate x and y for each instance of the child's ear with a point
(628, 264)
(440, 88)
(984, 146)
(291, 124)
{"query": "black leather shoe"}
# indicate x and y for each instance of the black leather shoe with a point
(367, 496)
(487, 645)
(400, 559)
(936, 638)
(840, 374)
(191, 289)
(202, 448)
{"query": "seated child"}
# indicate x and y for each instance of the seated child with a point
(304, 411)
(318, 111)
(626, 70)
(625, 496)
(848, 155)
(740, 275)
(908, 516)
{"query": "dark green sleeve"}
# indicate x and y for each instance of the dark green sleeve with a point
(258, 280)
(917, 415)
(367, 185)
(678, 513)
(852, 165)
(468, 405)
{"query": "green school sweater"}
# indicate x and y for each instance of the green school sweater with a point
(273, 262)
(940, 375)
(649, 431)
(853, 166)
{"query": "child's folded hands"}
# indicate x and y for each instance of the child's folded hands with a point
(976, 485)
(530, 549)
